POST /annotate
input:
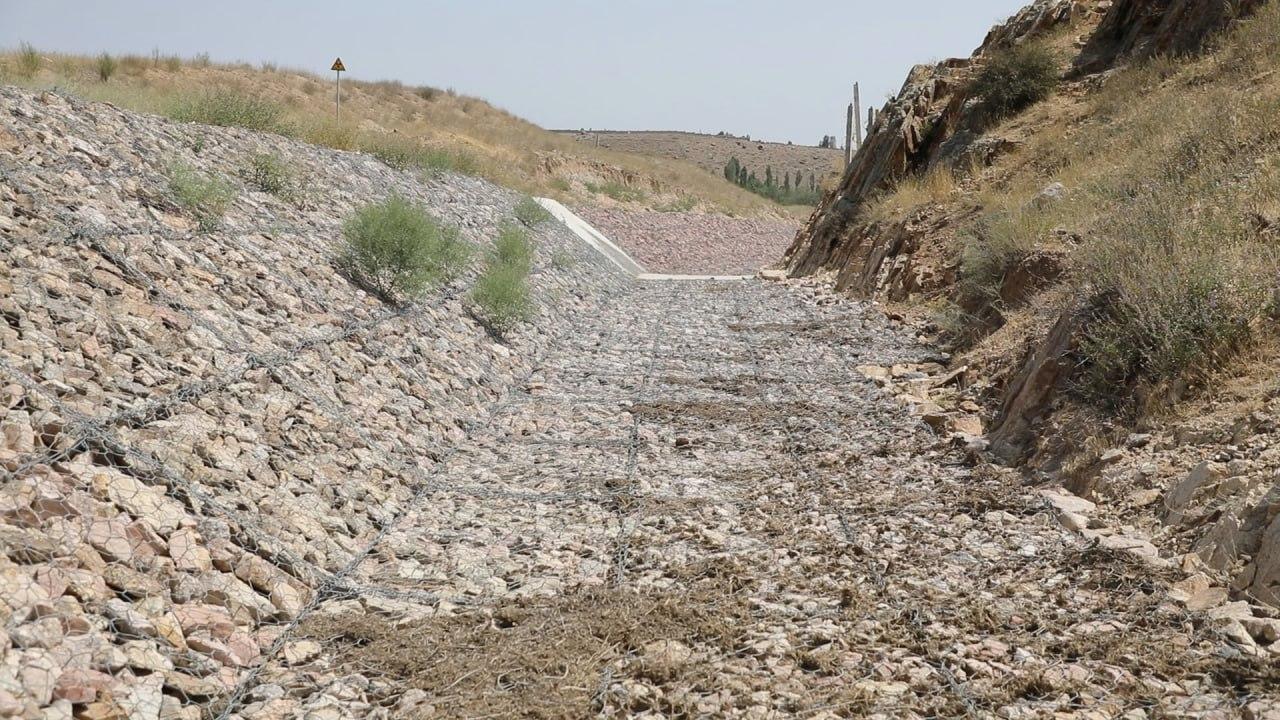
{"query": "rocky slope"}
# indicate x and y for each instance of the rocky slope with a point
(1170, 481)
(204, 434)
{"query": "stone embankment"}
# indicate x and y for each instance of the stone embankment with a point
(204, 434)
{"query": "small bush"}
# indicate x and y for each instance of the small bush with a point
(270, 174)
(29, 61)
(231, 109)
(106, 67)
(501, 294)
(529, 212)
(512, 247)
(1015, 79)
(173, 63)
(396, 249)
(201, 60)
(206, 198)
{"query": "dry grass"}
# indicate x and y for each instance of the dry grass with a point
(936, 186)
(540, 658)
(503, 148)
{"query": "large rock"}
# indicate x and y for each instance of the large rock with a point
(1139, 29)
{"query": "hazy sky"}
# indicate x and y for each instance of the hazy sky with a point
(774, 69)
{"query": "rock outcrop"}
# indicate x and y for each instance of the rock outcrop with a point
(1139, 29)
(932, 123)
(929, 123)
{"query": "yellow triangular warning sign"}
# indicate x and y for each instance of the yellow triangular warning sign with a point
(338, 66)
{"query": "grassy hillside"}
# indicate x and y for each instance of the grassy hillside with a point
(405, 125)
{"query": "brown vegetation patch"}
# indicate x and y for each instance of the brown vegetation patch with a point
(542, 658)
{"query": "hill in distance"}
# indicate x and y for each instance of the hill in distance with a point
(713, 152)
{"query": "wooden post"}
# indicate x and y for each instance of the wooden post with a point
(848, 136)
(871, 119)
(857, 114)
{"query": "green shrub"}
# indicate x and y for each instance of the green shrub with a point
(231, 109)
(529, 212)
(396, 249)
(512, 247)
(106, 67)
(501, 294)
(29, 61)
(1173, 295)
(206, 198)
(270, 174)
(1015, 79)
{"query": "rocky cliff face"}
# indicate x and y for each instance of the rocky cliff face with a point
(931, 123)
(203, 432)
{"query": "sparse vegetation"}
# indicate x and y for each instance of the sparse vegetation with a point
(397, 250)
(529, 212)
(409, 154)
(106, 67)
(684, 203)
(205, 197)
(616, 190)
(1015, 79)
(231, 109)
(935, 186)
(270, 174)
(28, 61)
(562, 259)
(501, 293)
(330, 133)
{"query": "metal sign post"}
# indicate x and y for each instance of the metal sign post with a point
(338, 69)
